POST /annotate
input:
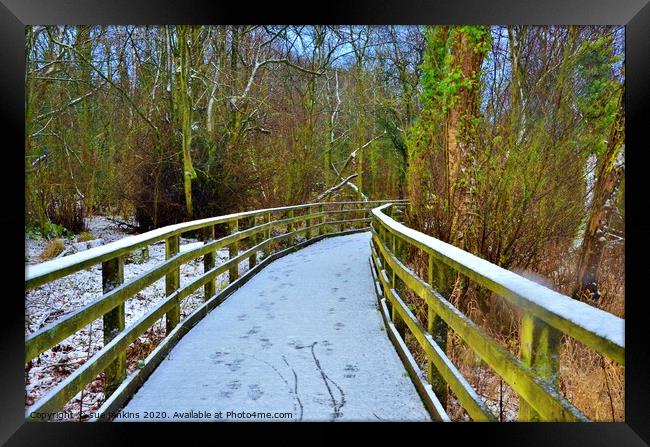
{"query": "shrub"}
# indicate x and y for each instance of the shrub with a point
(52, 230)
(52, 249)
(85, 236)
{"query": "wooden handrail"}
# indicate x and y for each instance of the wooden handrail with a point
(546, 316)
(110, 305)
(36, 275)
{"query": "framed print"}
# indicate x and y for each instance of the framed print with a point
(403, 212)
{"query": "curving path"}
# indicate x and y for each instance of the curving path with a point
(302, 340)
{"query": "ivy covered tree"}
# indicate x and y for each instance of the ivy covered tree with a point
(442, 146)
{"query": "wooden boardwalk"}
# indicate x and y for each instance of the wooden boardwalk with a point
(305, 340)
(302, 340)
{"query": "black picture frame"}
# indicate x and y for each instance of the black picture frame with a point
(16, 14)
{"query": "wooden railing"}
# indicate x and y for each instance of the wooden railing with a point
(547, 315)
(314, 220)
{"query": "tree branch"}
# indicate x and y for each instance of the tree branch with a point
(103, 76)
(336, 187)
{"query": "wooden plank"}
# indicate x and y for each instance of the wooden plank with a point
(267, 233)
(209, 260)
(438, 330)
(114, 321)
(308, 224)
(431, 402)
(545, 399)
(321, 221)
(395, 315)
(290, 228)
(233, 251)
(172, 283)
(466, 395)
(540, 350)
(254, 241)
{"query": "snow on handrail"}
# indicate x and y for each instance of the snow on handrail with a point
(525, 293)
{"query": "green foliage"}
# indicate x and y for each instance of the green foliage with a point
(445, 82)
(597, 90)
(441, 79)
(52, 230)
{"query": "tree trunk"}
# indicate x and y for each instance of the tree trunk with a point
(185, 114)
(467, 60)
(609, 177)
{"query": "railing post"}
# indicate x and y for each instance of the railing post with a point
(321, 220)
(267, 234)
(209, 263)
(539, 349)
(233, 251)
(112, 277)
(397, 320)
(290, 227)
(438, 330)
(172, 283)
(252, 261)
(308, 224)
(341, 217)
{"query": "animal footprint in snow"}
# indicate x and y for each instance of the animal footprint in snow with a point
(341, 299)
(218, 357)
(235, 365)
(331, 311)
(339, 326)
(338, 275)
(335, 289)
(266, 343)
(254, 392)
(350, 371)
(264, 306)
(296, 344)
(234, 385)
(252, 331)
(241, 317)
(270, 316)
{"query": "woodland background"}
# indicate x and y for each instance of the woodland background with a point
(509, 142)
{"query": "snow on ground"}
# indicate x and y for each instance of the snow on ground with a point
(303, 336)
(54, 300)
(101, 227)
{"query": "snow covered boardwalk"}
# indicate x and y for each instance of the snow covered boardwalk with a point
(302, 340)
